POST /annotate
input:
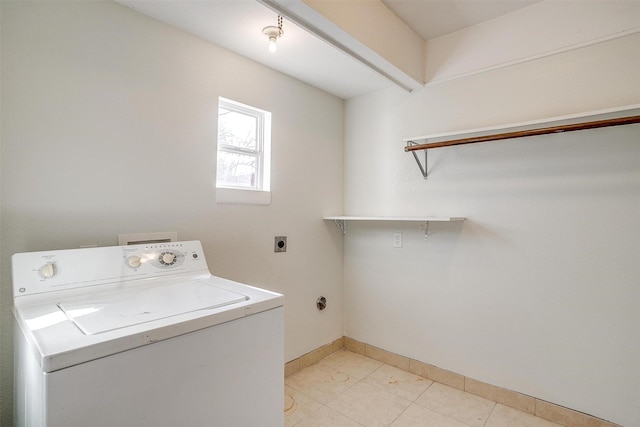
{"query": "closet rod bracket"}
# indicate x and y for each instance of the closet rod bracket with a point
(423, 168)
(342, 225)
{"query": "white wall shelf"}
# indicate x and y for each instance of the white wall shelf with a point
(341, 221)
(629, 114)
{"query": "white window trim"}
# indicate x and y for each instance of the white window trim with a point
(244, 195)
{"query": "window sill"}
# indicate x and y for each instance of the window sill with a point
(240, 196)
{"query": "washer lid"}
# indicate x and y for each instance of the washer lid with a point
(97, 313)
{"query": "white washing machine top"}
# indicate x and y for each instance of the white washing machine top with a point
(78, 305)
(101, 312)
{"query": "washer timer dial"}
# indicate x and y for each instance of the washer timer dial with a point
(167, 258)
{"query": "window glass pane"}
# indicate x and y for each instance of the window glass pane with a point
(236, 170)
(237, 129)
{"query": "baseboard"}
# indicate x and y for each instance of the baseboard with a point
(312, 357)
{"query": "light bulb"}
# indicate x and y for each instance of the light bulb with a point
(272, 44)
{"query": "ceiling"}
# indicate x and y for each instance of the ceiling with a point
(237, 26)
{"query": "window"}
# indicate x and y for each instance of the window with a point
(244, 139)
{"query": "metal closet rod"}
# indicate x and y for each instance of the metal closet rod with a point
(533, 132)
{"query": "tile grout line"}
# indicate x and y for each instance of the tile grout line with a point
(413, 402)
(495, 405)
(400, 414)
(442, 413)
(338, 395)
(344, 415)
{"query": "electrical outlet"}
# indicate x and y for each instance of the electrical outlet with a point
(280, 244)
(397, 240)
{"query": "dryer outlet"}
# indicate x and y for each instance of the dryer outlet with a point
(280, 244)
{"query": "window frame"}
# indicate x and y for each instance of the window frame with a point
(261, 152)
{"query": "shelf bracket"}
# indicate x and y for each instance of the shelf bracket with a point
(423, 168)
(425, 226)
(342, 225)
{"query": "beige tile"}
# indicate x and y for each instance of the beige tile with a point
(465, 407)
(369, 405)
(297, 406)
(353, 364)
(567, 417)
(417, 416)
(354, 345)
(320, 382)
(291, 367)
(387, 357)
(437, 374)
(327, 417)
(503, 416)
(510, 398)
(398, 382)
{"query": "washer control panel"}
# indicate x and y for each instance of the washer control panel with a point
(38, 272)
(162, 256)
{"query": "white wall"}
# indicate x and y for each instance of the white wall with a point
(538, 290)
(109, 126)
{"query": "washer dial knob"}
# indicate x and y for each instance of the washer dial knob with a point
(48, 270)
(167, 258)
(134, 261)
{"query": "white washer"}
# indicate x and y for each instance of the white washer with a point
(143, 335)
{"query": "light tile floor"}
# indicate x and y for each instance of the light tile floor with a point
(347, 389)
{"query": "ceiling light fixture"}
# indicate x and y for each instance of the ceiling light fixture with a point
(273, 33)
